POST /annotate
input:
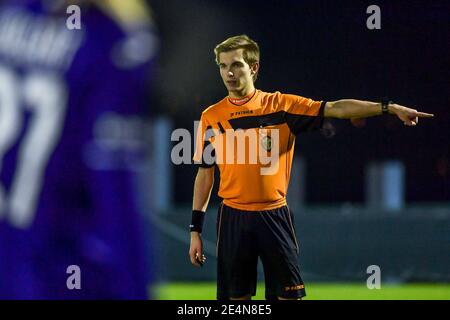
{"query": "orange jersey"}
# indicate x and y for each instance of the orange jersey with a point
(252, 144)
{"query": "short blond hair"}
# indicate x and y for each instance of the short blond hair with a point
(250, 49)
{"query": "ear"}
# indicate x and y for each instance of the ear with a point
(255, 68)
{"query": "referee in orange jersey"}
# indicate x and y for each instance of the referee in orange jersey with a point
(254, 219)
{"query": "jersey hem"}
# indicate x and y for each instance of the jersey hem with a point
(256, 207)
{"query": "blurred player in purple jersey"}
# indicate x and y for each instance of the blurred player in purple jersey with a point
(72, 114)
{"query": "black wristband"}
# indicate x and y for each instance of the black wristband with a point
(197, 221)
(385, 102)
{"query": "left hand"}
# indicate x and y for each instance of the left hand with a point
(410, 117)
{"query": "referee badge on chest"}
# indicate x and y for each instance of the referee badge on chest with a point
(266, 143)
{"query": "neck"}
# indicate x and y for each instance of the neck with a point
(242, 93)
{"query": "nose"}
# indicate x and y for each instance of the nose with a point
(230, 73)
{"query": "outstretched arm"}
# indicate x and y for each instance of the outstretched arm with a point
(350, 108)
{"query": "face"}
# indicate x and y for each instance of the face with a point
(236, 74)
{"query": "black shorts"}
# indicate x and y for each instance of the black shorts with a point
(242, 237)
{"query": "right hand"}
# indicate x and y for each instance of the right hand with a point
(410, 117)
(196, 250)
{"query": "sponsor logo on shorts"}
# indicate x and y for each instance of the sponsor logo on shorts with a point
(293, 288)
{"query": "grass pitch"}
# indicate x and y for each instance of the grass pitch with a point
(315, 291)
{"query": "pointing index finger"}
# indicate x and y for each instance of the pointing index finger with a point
(425, 115)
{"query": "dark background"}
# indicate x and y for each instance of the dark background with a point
(322, 50)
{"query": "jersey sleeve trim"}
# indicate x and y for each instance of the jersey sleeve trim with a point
(305, 123)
